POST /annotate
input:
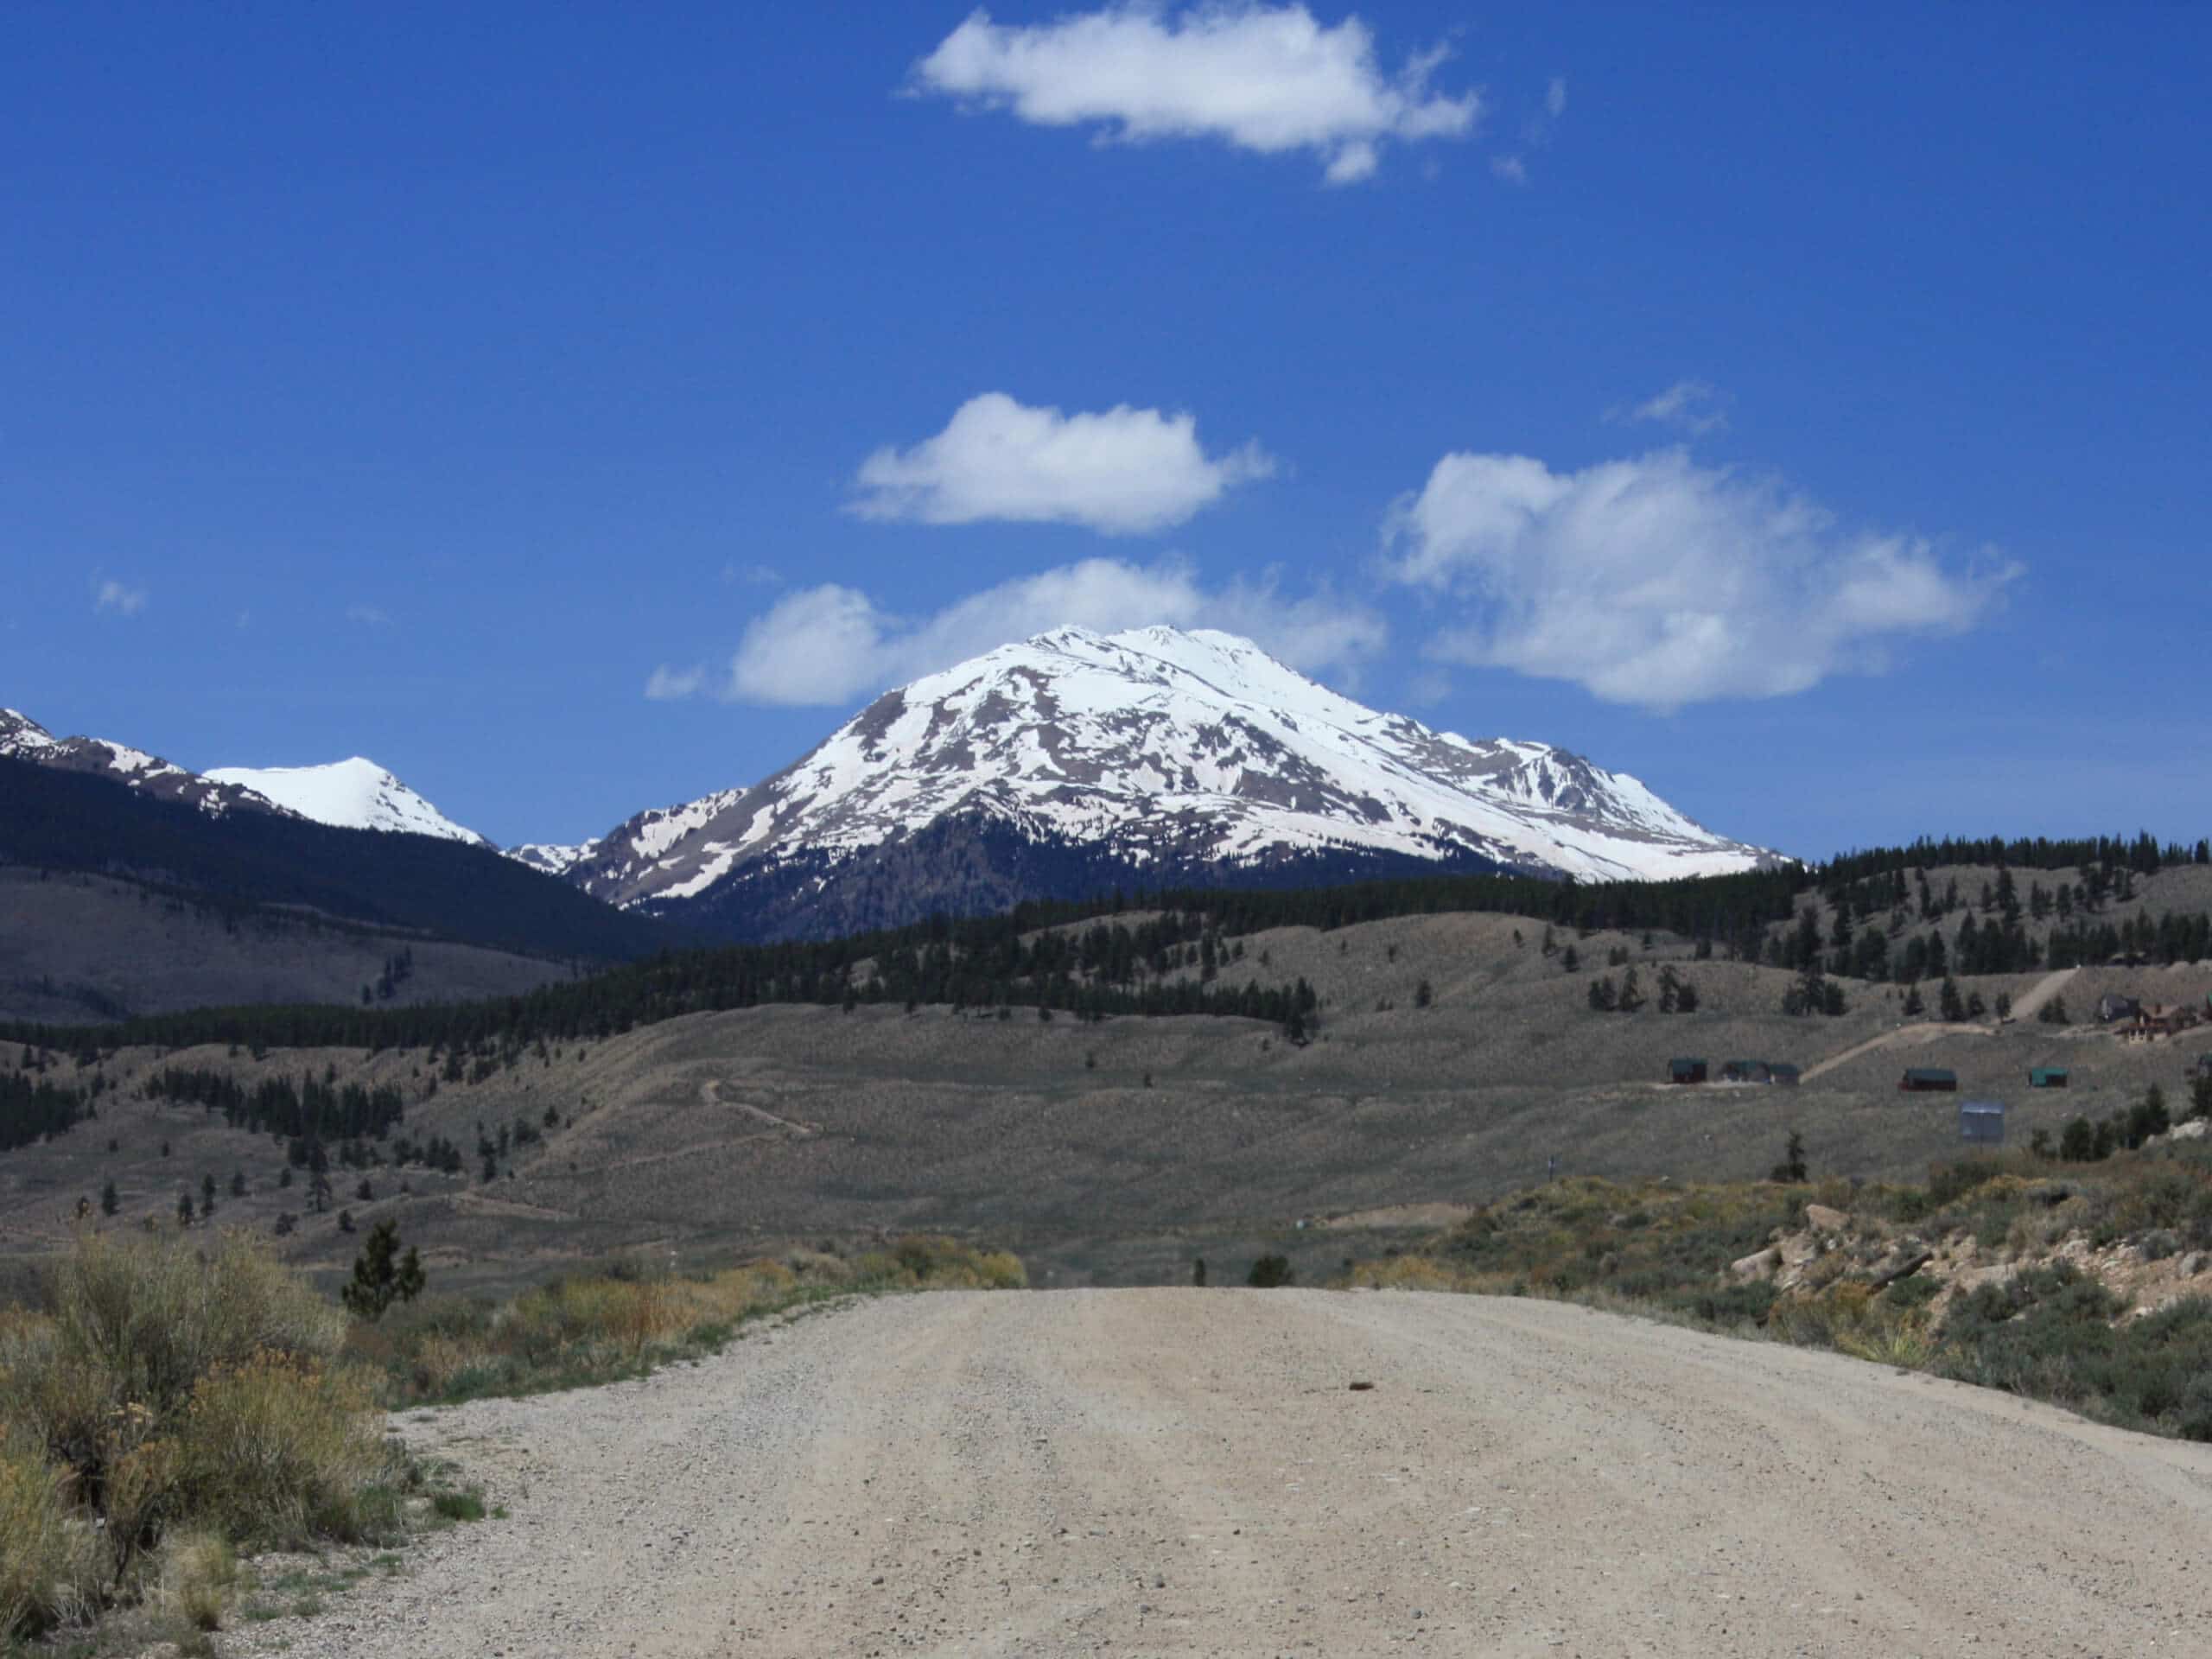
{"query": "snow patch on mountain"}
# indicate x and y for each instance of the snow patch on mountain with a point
(351, 794)
(550, 858)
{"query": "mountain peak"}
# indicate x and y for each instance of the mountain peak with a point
(1168, 753)
(355, 793)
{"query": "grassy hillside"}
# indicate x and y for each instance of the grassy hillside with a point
(2088, 1286)
(1111, 1152)
(78, 947)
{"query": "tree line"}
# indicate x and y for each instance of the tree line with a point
(31, 1109)
(313, 1109)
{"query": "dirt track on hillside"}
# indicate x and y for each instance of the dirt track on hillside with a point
(1159, 1471)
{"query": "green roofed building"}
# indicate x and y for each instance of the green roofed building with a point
(2047, 1076)
(1930, 1079)
(1685, 1070)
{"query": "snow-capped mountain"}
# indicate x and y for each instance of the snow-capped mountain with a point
(549, 858)
(352, 794)
(1157, 755)
(22, 738)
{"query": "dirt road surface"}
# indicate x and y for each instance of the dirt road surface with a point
(1189, 1473)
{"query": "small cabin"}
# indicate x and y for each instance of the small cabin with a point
(1982, 1121)
(1743, 1071)
(1685, 1070)
(1930, 1080)
(2048, 1076)
(1782, 1076)
(2111, 1007)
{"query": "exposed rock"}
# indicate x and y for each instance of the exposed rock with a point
(1759, 1264)
(1823, 1219)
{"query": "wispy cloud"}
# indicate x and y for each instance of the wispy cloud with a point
(1696, 407)
(1269, 79)
(369, 616)
(834, 644)
(113, 598)
(672, 684)
(1511, 168)
(1124, 471)
(1656, 581)
(752, 575)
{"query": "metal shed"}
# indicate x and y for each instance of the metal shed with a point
(1982, 1121)
(1781, 1075)
(1685, 1070)
(2048, 1076)
(1743, 1072)
(1929, 1079)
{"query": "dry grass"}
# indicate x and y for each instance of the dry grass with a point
(592, 1329)
(48, 1557)
(198, 1570)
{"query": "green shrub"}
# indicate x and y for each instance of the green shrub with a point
(180, 1383)
(458, 1506)
(1270, 1273)
(280, 1452)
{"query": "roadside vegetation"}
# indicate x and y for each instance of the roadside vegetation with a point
(2082, 1285)
(165, 1406)
(579, 1332)
(170, 1402)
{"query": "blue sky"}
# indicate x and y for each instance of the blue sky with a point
(1806, 412)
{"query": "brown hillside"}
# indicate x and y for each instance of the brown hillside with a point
(718, 1132)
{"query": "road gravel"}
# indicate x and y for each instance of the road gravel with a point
(1193, 1471)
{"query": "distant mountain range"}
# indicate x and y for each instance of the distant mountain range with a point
(1061, 767)
(355, 794)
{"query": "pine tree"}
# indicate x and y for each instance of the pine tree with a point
(109, 1200)
(1632, 995)
(1791, 1170)
(238, 1184)
(1952, 1006)
(1423, 994)
(184, 1208)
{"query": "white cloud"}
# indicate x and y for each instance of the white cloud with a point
(1694, 406)
(114, 597)
(753, 576)
(1124, 471)
(1660, 582)
(672, 684)
(1260, 78)
(834, 644)
(369, 616)
(1511, 168)
(1555, 98)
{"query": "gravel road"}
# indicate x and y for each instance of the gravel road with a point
(1169, 1471)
